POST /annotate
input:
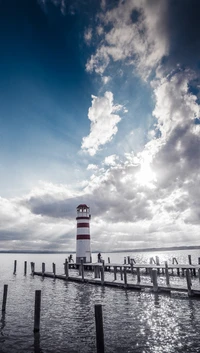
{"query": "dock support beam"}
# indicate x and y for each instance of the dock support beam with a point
(66, 269)
(15, 267)
(167, 273)
(25, 268)
(155, 280)
(99, 328)
(37, 311)
(5, 292)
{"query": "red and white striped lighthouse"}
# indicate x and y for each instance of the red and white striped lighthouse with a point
(83, 234)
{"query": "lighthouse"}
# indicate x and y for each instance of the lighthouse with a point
(83, 234)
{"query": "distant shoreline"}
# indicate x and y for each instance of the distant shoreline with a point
(172, 248)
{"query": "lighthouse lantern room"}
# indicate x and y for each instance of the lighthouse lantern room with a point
(83, 250)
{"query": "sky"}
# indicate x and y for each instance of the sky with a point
(99, 104)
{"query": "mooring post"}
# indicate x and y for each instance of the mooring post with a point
(43, 269)
(15, 267)
(138, 275)
(37, 311)
(124, 260)
(115, 273)
(82, 270)
(167, 273)
(158, 263)
(32, 268)
(199, 274)
(108, 260)
(198, 260)
(66, 269)
(125, 277)
(155, 280)
(121, 273)
(102, 275)
(95, 271)
(132, 266)
(129, 260)
(99, 328)
(189, 259)
(54, 269)
(5, 292)
(25, 268)
(189, 284)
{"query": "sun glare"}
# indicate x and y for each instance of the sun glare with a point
(146, 177)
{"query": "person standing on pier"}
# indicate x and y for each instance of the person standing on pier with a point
(99, 257)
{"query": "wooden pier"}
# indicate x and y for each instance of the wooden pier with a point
(129, 276)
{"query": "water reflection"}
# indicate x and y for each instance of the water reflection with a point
(3, 322)
(37, 348)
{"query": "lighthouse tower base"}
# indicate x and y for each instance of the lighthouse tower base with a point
(83, 251)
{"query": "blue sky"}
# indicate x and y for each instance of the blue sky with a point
(99, 104)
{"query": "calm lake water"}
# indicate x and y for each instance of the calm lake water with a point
(140, 322)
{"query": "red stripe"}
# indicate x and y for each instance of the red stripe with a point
(83, 217)
(83, 225)
(82, 236)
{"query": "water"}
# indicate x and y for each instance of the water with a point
(140, 322)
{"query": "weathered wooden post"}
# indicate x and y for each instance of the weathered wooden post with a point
(43, 269)
(138, 275)
(32, 268)
(155, 280)
(132, 266)
(124, 260)
(115, 273)
(198, 260)
(167, 273)
(25, 268)
(108, 260)
(66, 269)
(99, 328)
(5, 292)
(189, 259)
(125, 277)
(37, 311)
(158, 263)
(121, 273)
(15, 267)
(102, 275)
(199, 274)
(129, 260)
(54, 269)
(82, 270)
(189, 284)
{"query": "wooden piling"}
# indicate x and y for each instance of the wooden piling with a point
(115, 273)
(198, 260)
(15, 267)
(99, 328)
(32, 268)
(155, 280)
(54, 269)
(102, 275)
(190, 259)
(121, 273)
(5, 292)
(167, 273)
(129, 259)
(66, 269)
(125, 260)
(43, 269)
(132, 266)
(82, 270)
(188, 279)
(199, 274)
(125, 277)
(108, 260)
(138, 275)
(25, 268)
(37, 311)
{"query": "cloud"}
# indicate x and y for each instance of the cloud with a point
(103, 123)
(88, 35)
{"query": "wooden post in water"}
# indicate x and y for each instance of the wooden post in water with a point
(138, 275)
(189, 259)
(155, 280)
(125, 277)
(102, 275)
(199, 274)
(82, 270)
(15, 267)
(198, 260)
(188, 279)
(124, 260)
(32, 268)
(54, 269)
(129, 259)
(108, 260)
(25, 268)
(5, 292)
(158, 263)
(121, 273)
(66, 269)
(132, 266)
(99, 328)
(43, 269)
(167, 273)
(37, 311)
(115, 273)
